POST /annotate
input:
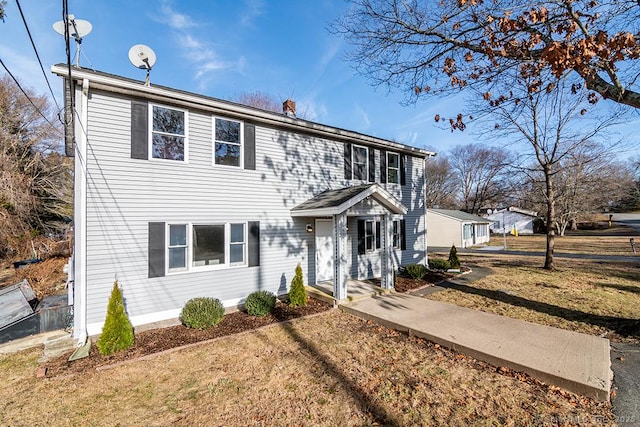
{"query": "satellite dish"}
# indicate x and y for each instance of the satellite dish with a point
(489, 211)
(142, 57)
(76, 28)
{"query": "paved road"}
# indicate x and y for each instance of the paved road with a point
(500, 250)
(629, 219)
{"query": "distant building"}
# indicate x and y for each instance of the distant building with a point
(508, 219)
(447, 227)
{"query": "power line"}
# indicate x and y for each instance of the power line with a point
(28, 97)
(38, 56)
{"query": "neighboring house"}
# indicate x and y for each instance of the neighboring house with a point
(179, 195)
(506, 220)
(447, 227)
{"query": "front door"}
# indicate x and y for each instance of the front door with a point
(324, 250)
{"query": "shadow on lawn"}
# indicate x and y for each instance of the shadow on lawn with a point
(365, 401)
(624, 327)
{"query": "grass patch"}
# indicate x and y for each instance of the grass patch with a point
(609, 241)
(332, 369)
(593, 297)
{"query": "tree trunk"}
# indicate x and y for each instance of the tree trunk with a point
(551, 218)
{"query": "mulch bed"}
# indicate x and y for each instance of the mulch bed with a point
(158, 340)
(406, 283)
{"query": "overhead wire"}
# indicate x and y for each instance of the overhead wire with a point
(27, 95)
(26, 26)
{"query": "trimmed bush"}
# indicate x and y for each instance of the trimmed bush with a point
(416, 271)
(297, 292)
(454, 261)
(117, 332)
(202, 313)
(260, 303)
(439, 264)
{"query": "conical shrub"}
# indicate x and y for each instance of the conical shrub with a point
(117, 332)
(454, 261)
(297, 293)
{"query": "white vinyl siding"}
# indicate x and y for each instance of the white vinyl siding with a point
(290, 168)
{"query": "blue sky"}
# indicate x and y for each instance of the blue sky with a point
(226, 48)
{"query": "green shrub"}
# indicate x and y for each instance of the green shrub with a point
(297, 292)
(260, 303)
(202, 313)
(117, 332)
(416, 271)
(454, 261)
(439, 264)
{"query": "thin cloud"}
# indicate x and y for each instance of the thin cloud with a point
(365, 117)
(175, 20)
(251, 10)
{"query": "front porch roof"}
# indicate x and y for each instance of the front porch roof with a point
(334, 202)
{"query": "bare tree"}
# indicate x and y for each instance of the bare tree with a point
(265, 101)
(552, 124)
(36, 182)
(430, 47)
(260, 100)
(588, 185)
(480, 174)
(441, 190)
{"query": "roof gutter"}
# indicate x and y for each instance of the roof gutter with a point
(186, 99)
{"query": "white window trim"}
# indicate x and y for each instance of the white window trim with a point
(373, 235)
(398, 244)
(213, 143)
(151, 132)
(190, 268)
(389, 167)
(353, 162)
(168, 246)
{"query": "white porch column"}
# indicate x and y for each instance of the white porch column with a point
(387, 247)
(340, 256)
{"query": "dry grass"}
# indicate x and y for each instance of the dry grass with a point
(589, 296)
(332, 369)
(607, 241)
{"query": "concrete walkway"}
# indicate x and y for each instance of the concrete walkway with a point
(577, 362)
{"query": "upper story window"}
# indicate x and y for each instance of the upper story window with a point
(168, 133)
(360, 163)
(228, 142)
(393, 168)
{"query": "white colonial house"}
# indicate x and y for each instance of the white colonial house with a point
(179, 195)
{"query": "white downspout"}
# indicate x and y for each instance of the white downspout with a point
(80, 216)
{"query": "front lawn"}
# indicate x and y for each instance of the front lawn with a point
(331, 369)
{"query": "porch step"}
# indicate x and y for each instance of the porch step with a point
(322, 296)
(356, 291)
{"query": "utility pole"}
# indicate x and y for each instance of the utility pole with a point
(504, 233)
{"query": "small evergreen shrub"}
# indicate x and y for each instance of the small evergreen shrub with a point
(297, 292)
(439, 264)
(202, 313)
(117, 332)
(454, 261)
(260, 303)
(415, 271)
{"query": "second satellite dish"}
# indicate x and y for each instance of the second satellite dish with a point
(142, 56)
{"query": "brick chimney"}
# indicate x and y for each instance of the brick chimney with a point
(289, 108)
